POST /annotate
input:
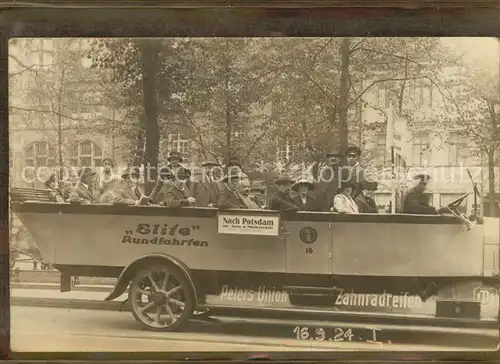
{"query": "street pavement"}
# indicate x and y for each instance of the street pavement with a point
(56, 329)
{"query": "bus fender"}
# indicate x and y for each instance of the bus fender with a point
(128, 272)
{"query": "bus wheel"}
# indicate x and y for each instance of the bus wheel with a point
(161, 298)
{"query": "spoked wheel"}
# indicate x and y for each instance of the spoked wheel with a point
(161, 298)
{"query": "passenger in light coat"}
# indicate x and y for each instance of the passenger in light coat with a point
(81, 194)
(343, 202)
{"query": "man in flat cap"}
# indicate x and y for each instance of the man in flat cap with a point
(81, 193)
(415, 201)
(357, 174)
(206, 190)
(281, 200)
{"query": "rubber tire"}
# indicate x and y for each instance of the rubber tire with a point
(186, 287)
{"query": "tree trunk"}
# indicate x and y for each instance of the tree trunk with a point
(491, 182)
(227, 103)
(60, 174)
(343, 129)
(149, 50)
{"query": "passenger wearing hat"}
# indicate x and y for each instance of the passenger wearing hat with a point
(303, 200)
(258, 195)
(127, 191)
(104, 179)
(175, 192)
(82, 194)
(206, 191)
(366, 203)
(230, 196)
(175, 159)
(356, 173)
(416, 202)
(329, 179)
(281, 199)
(50, 184)
(343, 202)
(164, 174)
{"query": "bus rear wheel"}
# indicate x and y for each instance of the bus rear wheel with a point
(161, 298)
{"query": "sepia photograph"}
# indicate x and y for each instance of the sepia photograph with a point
(254, 194)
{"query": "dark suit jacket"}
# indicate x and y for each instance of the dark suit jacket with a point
(80, 195)
(366, 204)
(125, 194)
(326, 189)
(205, 193)
(415, 202)
(229, 199)
(282, 202)
(172, 196)
(311, 204)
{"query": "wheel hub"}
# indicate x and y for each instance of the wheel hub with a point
(158, 298)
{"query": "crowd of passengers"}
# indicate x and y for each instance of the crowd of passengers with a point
(342, 188)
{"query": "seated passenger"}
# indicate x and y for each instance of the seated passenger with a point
(230, 196)
(366, 203)
(127, 191)
(415, 201)
(105, 178)
(257, 194)
(303, 200)
(343, 202)
(206, 191)
(164, 174)
(50, 184)
(281, 200)
(174, 192)
(81, 194)
(244, 190)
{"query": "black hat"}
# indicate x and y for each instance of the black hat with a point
(234, 162)
(175, 155)
(302, 182)
(52, 179)
(345, 184)
(107, 159)
(353, 149)
(258, 188)
(234, 174)
(131, 171)
(283, 180)
(422, 177)
(334, 152)
(369, 185)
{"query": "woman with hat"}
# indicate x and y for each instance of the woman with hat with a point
(366, 203)
(305, 202)
(281, 199)
(343, 202)
(230, 196)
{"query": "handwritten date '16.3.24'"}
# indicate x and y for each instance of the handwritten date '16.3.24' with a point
(338, 334)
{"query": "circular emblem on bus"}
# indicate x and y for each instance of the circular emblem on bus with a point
(308, 235)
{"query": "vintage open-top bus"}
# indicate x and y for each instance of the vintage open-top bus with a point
(175, 262)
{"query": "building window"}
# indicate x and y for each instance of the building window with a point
(458, 151)
(381, 154)
(40, 154)
(180, 143)
(285, 151)
(421, 149)
(424, 93)
(85, 154)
